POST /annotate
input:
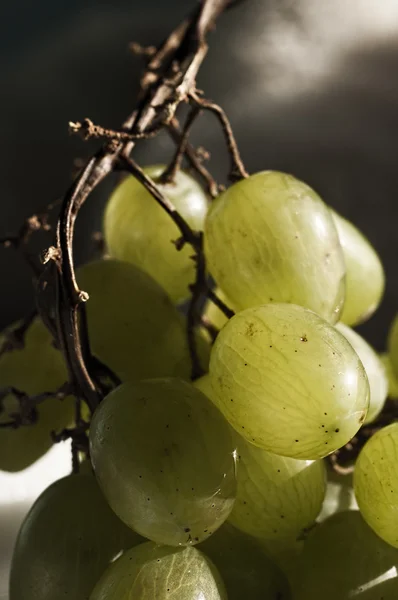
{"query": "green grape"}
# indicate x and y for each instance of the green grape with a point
(37, 367)
(375, 371)
(344, 560)
(288, 381)
(204, 385)
(139, 231)
(365, 275)
(67, 540)
(270, 238)
(165, 459)
(339, 495)
(151, 572)
(133, 327)
(278, 498)
(391, 377)
(246, 571)
(376, 483)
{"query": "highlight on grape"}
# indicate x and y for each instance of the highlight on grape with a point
(232, 436)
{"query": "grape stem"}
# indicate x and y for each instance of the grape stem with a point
(27, 414)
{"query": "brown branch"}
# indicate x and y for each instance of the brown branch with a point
(238, 170)
(27, 414)
(219, 303)
(195, 159)
(89, 130)
(169, 174)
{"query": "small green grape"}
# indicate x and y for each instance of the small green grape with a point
(339, 495)
(344, 560)
(375, 371)
(151, 572)
(376, 483)
(365, 278)
(139, 231)
(270, 238)
(165, 459)
(68, 538)
(37, 367)
(288, 381)
(245, 569)
(133, 326)
(278, 498)
(391, 377)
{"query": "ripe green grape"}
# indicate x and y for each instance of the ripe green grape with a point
(365, 275)
(344, 560)
(270, 238)
(133, 326)
(393, 345)
(375, 371)
(288, 381)
(339, 495)
(245, 569)
(68, 538)
(35, 368)
(139, 231)
(391, 377)
(165, 459)
(376, 483)
(151, 572)
(278, 498)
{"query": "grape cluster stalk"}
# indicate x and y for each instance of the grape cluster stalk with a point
(221, 450)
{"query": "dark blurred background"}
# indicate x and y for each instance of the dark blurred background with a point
(311, 87)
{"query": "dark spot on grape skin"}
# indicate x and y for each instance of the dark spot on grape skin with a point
(196, 539)
(245, 364)
(304, 338)
(187, 530)
(232, 399)
(270, 346)
(322, 425)
(337, 430)
(296, 440)
(326, 414)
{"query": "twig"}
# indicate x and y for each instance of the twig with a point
(27, 414)
(219, 303)
(89, 130)
(194, 314)
(170, 173)
(238, 170)
(195, 159)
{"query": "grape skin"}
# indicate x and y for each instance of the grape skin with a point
(270, 238)
(365, 278)
(343, 560)
(165, 459)
(151, 572)
(245, 569)
(374, 368)
(35, 368)
(393, 345)
(288, 381)
(376, 483)
(391, 377)
(139, 231)
(133, 327)
(68, 538)
(339, 495)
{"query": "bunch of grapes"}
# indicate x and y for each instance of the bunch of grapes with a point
(272, 476)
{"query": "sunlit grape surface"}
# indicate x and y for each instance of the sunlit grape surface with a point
(288, 381)
(150, 572)
(139, 231)
(376, 483)
(165, 459)
(270, 238)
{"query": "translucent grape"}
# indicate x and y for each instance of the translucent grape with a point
(365, 275)
(165, 459)
(68, 538)
(393, 345)
(339, 495)
(278, 498)
(391, 377)
(37, 367)
(133, 326)
(376, 483)
(139, 231)
(150, 572)
(270, 238)
(288, 381)
(375, 371)
(245, 569)
(344, 560)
